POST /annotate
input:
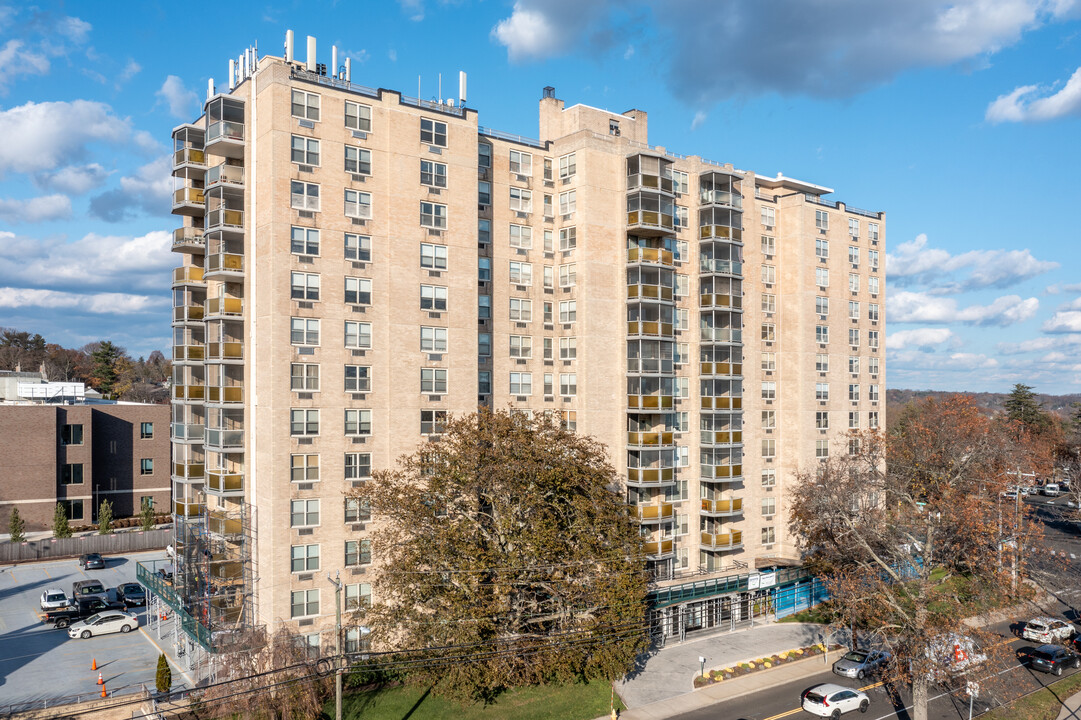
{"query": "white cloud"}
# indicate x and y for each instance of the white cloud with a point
(413, 8)
(98, 303)
(699, 118)
(178, 97)
(918, 337)
(1056, 289)
(1063, 321)
(1030, 103)
(1039, 344)
(42, 136)
(147, 191)
(131, 69)
(73, 179)
(74, 29)
(17, 59)
(36, 209)
(528, 34)
(914, 307)
(629, 52)
(924, 362)
(915, 263)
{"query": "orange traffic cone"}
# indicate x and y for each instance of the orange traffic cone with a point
(94, 664)
(103, 691)
(101, 680)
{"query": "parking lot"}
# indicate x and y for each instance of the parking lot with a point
(39, 662)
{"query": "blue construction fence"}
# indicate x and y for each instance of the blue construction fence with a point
(797, 596)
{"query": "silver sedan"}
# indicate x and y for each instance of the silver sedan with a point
(861, 663)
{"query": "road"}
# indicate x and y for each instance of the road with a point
(1057, 567)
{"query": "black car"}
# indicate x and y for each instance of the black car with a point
(92, 561)
(1052, 658)
(131, 594)
(63, 617)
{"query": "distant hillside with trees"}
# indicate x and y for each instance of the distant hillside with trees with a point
(102, 365)
(1061, 404)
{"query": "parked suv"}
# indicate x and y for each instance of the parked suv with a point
(131, 594)
(54, 599)
(1047, 630)
(1052, 658)
(1050, 490)
(87, 589)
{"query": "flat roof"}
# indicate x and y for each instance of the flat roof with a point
(792, 184)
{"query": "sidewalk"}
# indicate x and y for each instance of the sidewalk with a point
(669, 672)
(1071, 708)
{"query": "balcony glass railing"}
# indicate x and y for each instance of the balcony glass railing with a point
(644, 327)
(188, 196)
(220, 524)
(721, 197)
(188, 470)
(649, 438)
(722, 403)
(651, 476)
(658, 292)
(649, 402)
(653, 512)
(188, 392)
(182, 432)
(188, 509)
(656, 548)
(721, 368)
(722, 437)
(225, 351)
(720, 301)
(189, 156)
(188, 237)
(189, 352)
(722, 507)
(224, 130)
(225, 174)
(224, 438)
(227, 394)
(221, 482)
(724, 267)
(649, 220)
(650, 182)
(656, 256)
(722, 541)
(224, 306)
(188, 313)
(721, 335)
(721, 473)
(189, 275)
(722, 232)
(225, 218)
(224, 262)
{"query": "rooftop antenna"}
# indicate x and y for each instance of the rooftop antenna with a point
(288, 46)
(209, 88)
(439, 88)
(348, 70)
(232, 73)
(461, 87)
(334, 61)
(311, 55)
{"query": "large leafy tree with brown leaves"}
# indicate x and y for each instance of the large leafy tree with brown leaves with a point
(506, 543)
(912, 535)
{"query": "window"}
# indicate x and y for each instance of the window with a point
(822, 363)
(521, 163)
(682, 319)
(568, 276)
(822, 449)
(568, 311)
(822, 305)
(304, 468)
(853, 255)
(433, 256)
(521, 236)
(769, 303)
(822, 220)
(769, 448)
(768, 215)
(853, 282)
(853, 310)
(358, 117)
(432, 421)
(853, 337)
(681, 182)
(822, 391)
(547, 306)
(822, 277)
(303, 196)
(358, 160)
(769, 274)
(872, 420)
(549, 276)
(484, 193)
(358, 466)
(71, 474)
(484, 232)
(872, 312)
(568, 166)
(484, 344)
(521, 383)
(358, 247)
(549, 245)
(521, 273)
(568, 384)
(822, 247)
(521, 200)
(303, 241)
(681, 251)
(872, 339)
(769, 506)
(822, 420)
(303, 331)
(854, 364)
(769, 478)
(304, 603)
(433, 381)
(358, 595)
(433, 297)
(304, 151)
(613, 127)
(433, 339)
(769, 390)
(71, 435)
(305, 558)
(484, 269)
(484, 306)
(769, 245)
(303, 422)
(303, 513)
(872, 285)
(872, 365)
(358, 204)
(358, 552)
(358, 378)
(568, 348)
(484, 383)
(853, 420)
(433, 132)
(854, 392)
(822, 334)
(681, 353)
(872, 393)
(568, 202)
(769, 535)
(568, 239)
(304, 376)
(872, 231)
(433, 215)
(769, 332)
(521, 310)
(304, 286)
(872, 260)
(146, 431)
(769, 361)
(358, 335)
(358, 422)
(433, 174)
(484, 155)
(521, 346)
(357, 510)
(854, 227)
(681, 217)
(305, 105)
(769, 419)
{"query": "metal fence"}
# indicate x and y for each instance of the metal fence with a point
(113, 544)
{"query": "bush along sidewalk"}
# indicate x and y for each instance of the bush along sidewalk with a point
(761, 664)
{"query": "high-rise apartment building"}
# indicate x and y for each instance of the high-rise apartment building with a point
(357, 264)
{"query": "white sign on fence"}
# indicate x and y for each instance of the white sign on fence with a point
(768, 579)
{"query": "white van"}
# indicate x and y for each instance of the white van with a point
(1050, 490)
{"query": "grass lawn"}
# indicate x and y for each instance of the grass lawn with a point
(821, 613)
(554, 702)
(1041, 705)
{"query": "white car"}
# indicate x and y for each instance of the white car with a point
(54, 599)
(833, 701)
(1047, 630)
(103, 623)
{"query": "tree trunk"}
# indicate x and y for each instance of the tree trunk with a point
(920, 686)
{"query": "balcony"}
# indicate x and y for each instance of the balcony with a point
(218, 523)
(226, 219)
(189, 353)
(722, 437)
(720, 232)
(188, 509)
(721, 368)
(189, 392)
(650, 222)
(225, 395)
(224, 174)
(189, 201)
(657, 549)
(650, 328)
(188, 472)
(722, 403)
(651, 256)
(188, 275)
(723, 198)
(224, 308)
(189, 158)
(722, 302)
(722, 541)
(652, 172)
(187, 432)
(722, 508)
(187, 314)
(721, 473)
(222, 484)
(649, 439)
(652, 513)
(224, 265)
(710, 266)
(652, 292)
(649, 402)
(225, 351)
(224, 440)
(651, 477)
(721, 335)
(225, 126)
(188, 240)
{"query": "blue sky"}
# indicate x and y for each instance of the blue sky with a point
(960, 119)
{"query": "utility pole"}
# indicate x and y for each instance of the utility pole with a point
(337, 583)
(1019, 519)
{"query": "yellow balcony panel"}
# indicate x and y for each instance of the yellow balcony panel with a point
(649, 438)
(188, 509)
(657, 548)
(188, 471)
(650, 222)
(188, 313)
(219, 524)
(649, 402)
(188, 392)
(655, 292)
(225, 264)
(720, 231)
(188, 240)
(651, 476)
(229, 394)
(189, 156)
(222, 483)
(225, 219)
(649, 327)
(654, 512)
(188, 275)
(722, 541)
(189, 201)
(722, 508)
(225, 351)
(654, 256)
(224, 306)
(195, 353)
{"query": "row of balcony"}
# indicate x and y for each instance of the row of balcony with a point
(722, 541)
(649, 439)
(721, 473)
(653, 292)
(208, 310)
(649, 402)
(722, 403)
(214, 394)
(651, 477)
(728, 302)
(653, 512)
(651, 328)
(722, 437)
(721, 368)
(651, 256)
(722, 508)
(211, 351)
